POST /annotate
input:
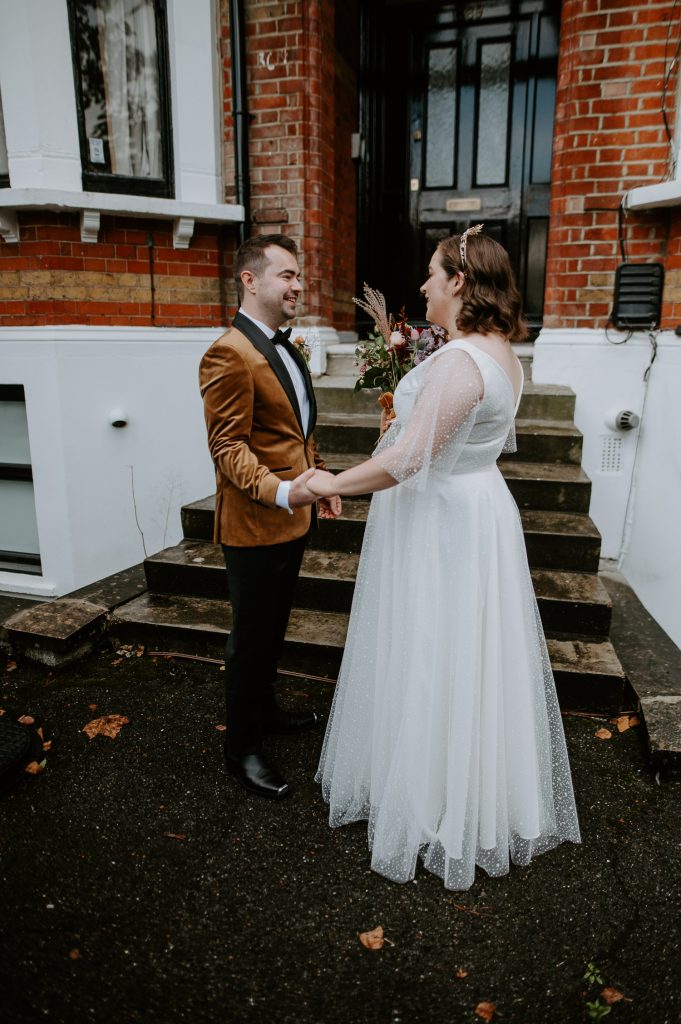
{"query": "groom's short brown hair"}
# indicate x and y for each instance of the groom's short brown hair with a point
(251, 256)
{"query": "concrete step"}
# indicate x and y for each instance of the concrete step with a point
(538, 440)
(569, 602)
(588, 673)
(554, 540)
(540, 485)
(340, 361)
(538, 402)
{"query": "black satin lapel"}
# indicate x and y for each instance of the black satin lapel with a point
(305, 370)
(269, 351)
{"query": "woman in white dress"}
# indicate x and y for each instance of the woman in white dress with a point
(445, 732)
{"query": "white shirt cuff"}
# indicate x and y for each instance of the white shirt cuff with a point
(281, 497)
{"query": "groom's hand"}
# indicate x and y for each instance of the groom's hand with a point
(299, 494)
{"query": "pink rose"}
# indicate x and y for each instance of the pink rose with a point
(395, 339)
(414, 334)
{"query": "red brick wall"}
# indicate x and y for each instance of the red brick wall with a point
(290, 61)
(609, 138)
(51, 277)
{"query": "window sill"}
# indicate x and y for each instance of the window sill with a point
(91, 205)
(648, 197)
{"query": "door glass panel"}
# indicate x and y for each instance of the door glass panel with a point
(441, 123)
(495, 65)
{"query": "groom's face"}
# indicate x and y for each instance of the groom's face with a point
(276, 289)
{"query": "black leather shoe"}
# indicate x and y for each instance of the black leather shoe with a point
(257, 775)
(280, 721)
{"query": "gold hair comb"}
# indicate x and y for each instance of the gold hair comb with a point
(474, 230)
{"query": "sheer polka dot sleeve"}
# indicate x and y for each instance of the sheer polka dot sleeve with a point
(441, 421)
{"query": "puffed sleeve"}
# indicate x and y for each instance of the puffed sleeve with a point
(440, 422)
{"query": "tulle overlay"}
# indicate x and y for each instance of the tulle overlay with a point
(445, 732)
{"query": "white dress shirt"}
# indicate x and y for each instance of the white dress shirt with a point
(298, 382)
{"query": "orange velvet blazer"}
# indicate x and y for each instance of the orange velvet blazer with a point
(255, 437)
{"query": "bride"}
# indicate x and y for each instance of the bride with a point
(445, 732)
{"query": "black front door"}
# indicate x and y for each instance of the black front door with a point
(457, 114)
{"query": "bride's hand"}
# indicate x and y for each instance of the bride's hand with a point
(322, 484)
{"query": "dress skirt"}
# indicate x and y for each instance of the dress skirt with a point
(445, 732)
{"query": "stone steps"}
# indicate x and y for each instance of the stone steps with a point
(569, 602)
(553, 486)
(538, 401)
(587, 672)
(537, 440)
(555, 540)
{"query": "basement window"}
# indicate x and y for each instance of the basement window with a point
(120, 55)
(4, 161)
(19, 548)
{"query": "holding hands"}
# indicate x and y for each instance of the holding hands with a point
(313, 485)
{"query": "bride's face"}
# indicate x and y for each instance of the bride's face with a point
(441, 293)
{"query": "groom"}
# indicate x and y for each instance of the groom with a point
(260, 412)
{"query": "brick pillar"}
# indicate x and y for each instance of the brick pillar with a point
(290, 62)
(609, 137)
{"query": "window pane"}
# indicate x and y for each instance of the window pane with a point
(441, 125)
(18, 525)
(4, 162)
(495, 66)
(14, 433)
(120, 87)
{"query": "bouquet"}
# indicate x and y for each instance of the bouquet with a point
(392, 349)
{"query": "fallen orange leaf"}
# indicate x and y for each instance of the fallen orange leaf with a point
(26, 720)
(603, 734)
(107, 725)
(373, 939)
(461, 973)
(47, 745)
(485, 1010)
(117, 661)
(33, 768)
(139, 652)
(2, 712)
(634, 720)
(221, 728)
(611, 995)
(92, 707)
(39, 730)
(175, 835)
(11, 665)
(74, 954)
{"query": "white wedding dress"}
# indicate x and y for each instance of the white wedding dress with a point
(445, 732)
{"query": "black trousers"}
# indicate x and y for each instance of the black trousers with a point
(261, 582)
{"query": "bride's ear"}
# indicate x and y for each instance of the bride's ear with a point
(458, 282)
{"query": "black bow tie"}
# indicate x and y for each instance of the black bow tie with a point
(282, 337)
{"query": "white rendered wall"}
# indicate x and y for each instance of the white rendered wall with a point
(638, 509)
(74, 377)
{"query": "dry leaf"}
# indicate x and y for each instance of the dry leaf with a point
(221, 728)
(485, 1010)
(611, 995)
(39, 730)
(33, 768)
(74, 954)
(10, 666)
(622, 723)
(634, 720)
(603, 734)
(2, 712)
(117, 661)
(92, 707)
(175, 835)
(140, 651)
(373, 939)
(107, 725)
(47, 745)
(26, 720)
(461, 973)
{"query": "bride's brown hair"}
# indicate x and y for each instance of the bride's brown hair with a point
(490, 299)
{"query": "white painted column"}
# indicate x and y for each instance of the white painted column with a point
(38, 95)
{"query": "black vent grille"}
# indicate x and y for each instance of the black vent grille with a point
(638, 295)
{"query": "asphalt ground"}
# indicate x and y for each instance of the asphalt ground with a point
(139, 883)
